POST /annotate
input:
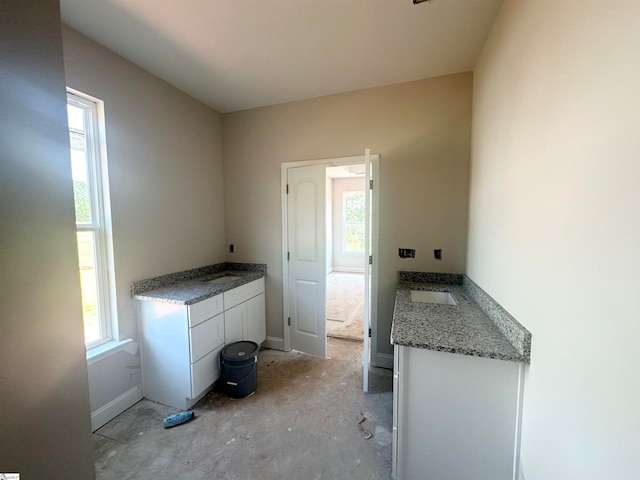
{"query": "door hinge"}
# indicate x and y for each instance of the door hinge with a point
(288, 256)
(289, 321)
(370, 184)
(369, 331)
(287, 189)
(370, 259)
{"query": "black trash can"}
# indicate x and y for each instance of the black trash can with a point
(240, 368)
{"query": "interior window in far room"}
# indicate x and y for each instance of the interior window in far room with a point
(353, 214)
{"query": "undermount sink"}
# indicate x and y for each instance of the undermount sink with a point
(425, 296)
(223, 280)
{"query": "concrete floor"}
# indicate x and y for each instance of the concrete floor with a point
(302, 423)
(345, 305)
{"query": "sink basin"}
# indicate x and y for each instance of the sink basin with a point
(424, 296)
(223, 280)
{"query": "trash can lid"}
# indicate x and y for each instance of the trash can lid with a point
(240, 349)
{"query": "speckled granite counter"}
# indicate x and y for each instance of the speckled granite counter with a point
(191, 286)
(463, 328)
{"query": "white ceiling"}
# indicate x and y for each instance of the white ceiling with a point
(240, 54)
(346, 171)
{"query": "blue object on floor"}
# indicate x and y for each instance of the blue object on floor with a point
(177, 418)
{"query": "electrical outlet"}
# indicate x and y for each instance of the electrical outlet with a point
(231, 248)
(407, 253)
(437, 254)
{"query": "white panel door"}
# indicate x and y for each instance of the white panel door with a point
(307, 268)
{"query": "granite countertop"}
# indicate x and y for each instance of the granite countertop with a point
(197, 289)
(463, 328)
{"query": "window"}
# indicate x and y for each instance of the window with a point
(353, 211)
(90, 190)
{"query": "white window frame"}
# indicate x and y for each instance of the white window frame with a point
(100, 225)
(345, 223)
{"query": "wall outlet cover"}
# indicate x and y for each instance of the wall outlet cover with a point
(407, 253)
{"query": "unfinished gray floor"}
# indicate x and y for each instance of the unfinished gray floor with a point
(302, 423)
(345, 305)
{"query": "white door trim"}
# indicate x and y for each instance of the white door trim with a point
(330, 162)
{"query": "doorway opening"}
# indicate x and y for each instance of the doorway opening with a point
(345, 244)
(314, 238)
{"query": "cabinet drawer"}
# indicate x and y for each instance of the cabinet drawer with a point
(237, 295)
(201, 311)
(204, 372)
(205, 337)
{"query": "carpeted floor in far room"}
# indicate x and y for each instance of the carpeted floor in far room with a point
(308, 419)
(345, 305)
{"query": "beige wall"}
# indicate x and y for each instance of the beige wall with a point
(164, 154)
(165, 169)
(554, 227)
(422, 132)
(44, 396)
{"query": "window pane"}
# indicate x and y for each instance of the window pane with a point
(354, 237)
(353, 221)
(79, 164)
(76, 117)
(354, 207)
(89, 285)
(81, 191)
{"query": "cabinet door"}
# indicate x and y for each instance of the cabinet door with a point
(233, 321)
(255, 326)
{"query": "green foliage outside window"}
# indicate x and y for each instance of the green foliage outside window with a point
(354, 215)
(81, 197)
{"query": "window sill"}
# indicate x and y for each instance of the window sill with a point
(106, 350)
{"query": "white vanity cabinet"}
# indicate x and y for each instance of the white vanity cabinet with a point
(180, 349)
(181, 344)
(455, 416)
(244, 313)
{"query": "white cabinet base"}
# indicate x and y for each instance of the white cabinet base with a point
(181, 344)
(455, 416)
(179, 347)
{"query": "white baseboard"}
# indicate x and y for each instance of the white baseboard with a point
(274, 343)
(348, 269)
(384, 360)
(115, 407)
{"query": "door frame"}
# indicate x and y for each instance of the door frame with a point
(333, 162)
